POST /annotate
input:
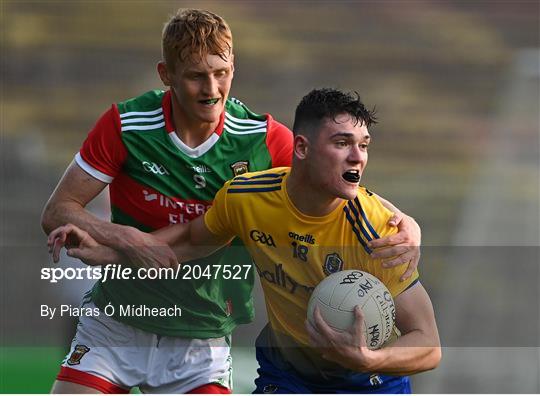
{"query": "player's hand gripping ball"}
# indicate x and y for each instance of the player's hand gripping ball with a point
(337, 295)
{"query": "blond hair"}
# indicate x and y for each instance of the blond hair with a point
(191, 35)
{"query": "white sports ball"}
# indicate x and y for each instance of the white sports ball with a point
(339, 293)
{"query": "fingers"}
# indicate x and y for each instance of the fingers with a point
(78, 253)
(56, 233)
(315, 338)
(395, 219)
(90, 256)
(389, 240)
(358, 327)
(400, 249)
(358, 317)
(391, 252)
(66, 230)
(410, 254)
(413, 264)
(59, 235)
(408, 273)
(399, 260)
(320, 324)
(75, 236)
(412, 257)
(56, 248)
(409, 233)
(318, 338)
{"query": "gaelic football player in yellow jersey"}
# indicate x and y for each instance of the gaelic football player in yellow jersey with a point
(301, 224)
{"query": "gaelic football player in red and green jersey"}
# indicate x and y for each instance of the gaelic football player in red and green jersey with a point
(164, 155)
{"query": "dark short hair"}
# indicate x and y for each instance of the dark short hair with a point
(329, 103)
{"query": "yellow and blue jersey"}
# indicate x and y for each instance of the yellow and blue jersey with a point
(293, 252)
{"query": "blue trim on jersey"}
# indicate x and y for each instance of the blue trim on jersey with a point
(248, 190)
(355, 230)
(254, 182)
(359, 222)
(269, 175)
(412, 284)
(373, 232)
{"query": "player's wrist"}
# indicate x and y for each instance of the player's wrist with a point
(124, 239)
(369, 360)
(113, 256)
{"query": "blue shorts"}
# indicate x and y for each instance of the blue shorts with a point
(274, 380)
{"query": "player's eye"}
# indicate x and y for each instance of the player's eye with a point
(195, 77)
(342, 143)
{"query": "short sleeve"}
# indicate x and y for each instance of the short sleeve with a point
(376, 222)
(103, 152)
(279, 140)
(392, 282)
(217, 218)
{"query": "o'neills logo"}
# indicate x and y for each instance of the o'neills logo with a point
(308, 238)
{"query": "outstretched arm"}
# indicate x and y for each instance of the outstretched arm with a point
(188, 241)
(417, 350)
(192, 240)
(67, 206)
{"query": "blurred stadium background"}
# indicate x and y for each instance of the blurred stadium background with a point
(456, 85)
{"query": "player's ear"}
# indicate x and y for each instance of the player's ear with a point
(163, 72)
(300, 146)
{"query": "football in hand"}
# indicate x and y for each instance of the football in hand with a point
(338, 294)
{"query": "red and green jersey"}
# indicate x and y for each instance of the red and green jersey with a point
(156, 180)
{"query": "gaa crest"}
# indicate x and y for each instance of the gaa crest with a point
(333, 263)
(240, 167)
(77, 354)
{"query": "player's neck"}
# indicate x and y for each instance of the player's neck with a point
(308, 198)
(195, 135)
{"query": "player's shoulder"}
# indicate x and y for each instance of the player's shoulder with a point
(147, 104)
(271, 173)
(241, 121)
(237, 110)
(368, 205)
(368, 196)
(257, 182)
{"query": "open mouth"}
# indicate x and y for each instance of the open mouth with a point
(352, 176)
(209, 101)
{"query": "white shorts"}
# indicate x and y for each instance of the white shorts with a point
(113, 357)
